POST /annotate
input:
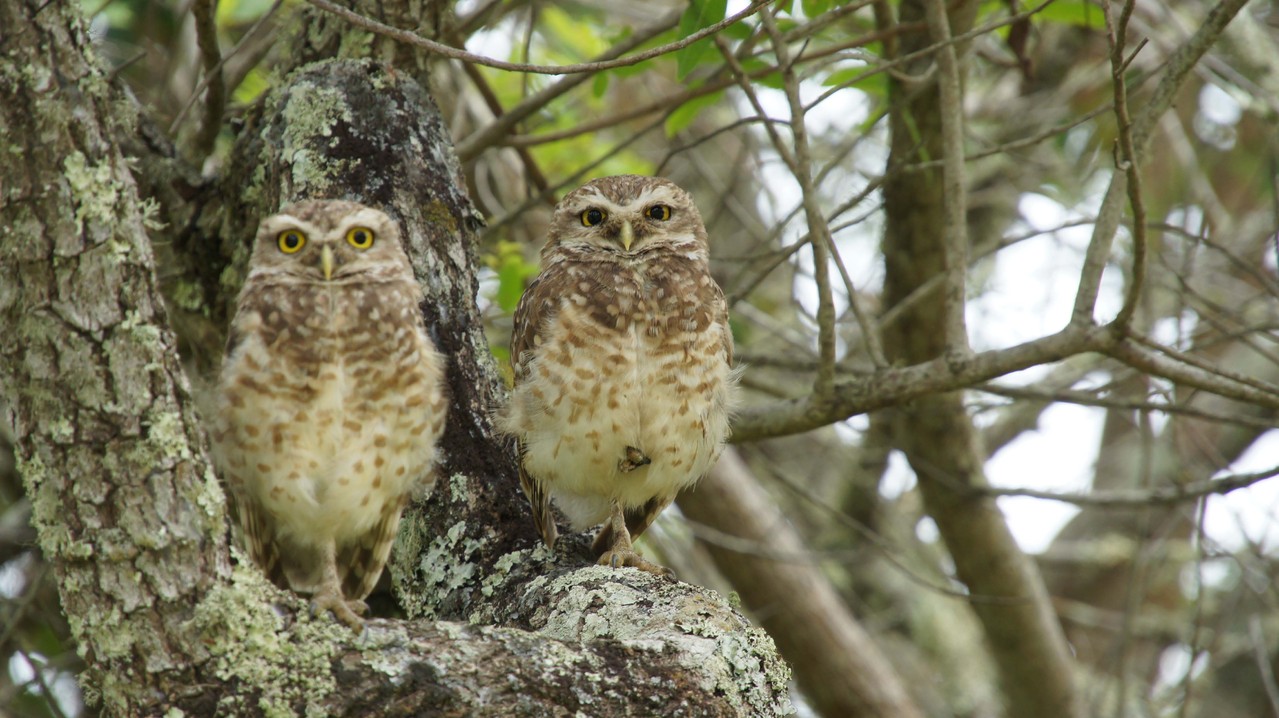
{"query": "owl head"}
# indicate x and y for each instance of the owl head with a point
(628, 215)
(316, 241)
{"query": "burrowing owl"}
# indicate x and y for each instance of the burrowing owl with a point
(330, 402)
(622, 356)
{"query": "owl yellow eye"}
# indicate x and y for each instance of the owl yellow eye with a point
(290, 241)
(592, 217)
(360, 237)
(659, 212)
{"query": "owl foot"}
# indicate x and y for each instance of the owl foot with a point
(634, 459)
(347, 612)
(622, 553)
(617, 557)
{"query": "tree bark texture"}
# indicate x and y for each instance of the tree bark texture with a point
(936, 433)
(127, 508)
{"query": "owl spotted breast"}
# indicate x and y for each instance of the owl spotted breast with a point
(622, 357)
(330, 401)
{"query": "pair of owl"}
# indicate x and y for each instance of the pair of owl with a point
(332, 400)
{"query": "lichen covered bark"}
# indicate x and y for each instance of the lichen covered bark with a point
(111, 454)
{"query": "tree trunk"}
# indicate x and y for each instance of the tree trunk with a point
(935, 432)
(130, 515)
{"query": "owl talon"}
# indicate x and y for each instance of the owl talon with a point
(634, 459)
(627, 557)
(343, 610)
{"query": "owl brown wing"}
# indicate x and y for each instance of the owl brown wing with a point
(361, 563)
(259, 539)
(540, 502)
(539, 305)
(537, 308)
(719, 318)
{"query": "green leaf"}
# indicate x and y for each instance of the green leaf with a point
(700, 14)
(512, 272)
(684, 115)
(875, 85)
(1079, 13)
(253, 85)
(599, 85)
(813, 8)
(510, 287)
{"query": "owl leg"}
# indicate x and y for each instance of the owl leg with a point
(328, 597)
(622, 553)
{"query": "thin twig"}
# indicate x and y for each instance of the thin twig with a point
(206, 33)
(1083, 398)
(954, 189)
(208, 76)
(1178, 67)
(439, 48)
(1127, 160)
(1137, 498)
(488, 135)
(823, 246)
(1261, 654)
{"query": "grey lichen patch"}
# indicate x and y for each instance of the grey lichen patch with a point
(188, 296)
(387, 649)
(459, 489)
(166, 433)
(46, 511)
(310, 113)
(95, 191)
(288, 663)
(210, 496)
(501, 568)
(442, 568)
(713, 643)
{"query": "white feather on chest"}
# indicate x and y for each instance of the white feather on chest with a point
(322, 439)
(593, 393)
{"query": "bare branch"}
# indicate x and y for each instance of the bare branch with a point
(1127, 160)
(206, 32)
(439, 48)
(801, 167)
(1137, 498)
(954, 248)
(488, 135)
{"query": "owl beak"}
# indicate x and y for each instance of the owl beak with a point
(326, 262)
(628, 235)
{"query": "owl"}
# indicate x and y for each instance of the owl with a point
(622, 358)
(330, 402)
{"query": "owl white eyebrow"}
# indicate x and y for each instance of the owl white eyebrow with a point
(651, 194)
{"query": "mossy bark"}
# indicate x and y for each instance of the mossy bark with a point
(126, 509)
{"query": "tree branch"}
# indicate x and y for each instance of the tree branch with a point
(440, 48)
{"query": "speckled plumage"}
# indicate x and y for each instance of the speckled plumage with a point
(330, 402)
(622, 358)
